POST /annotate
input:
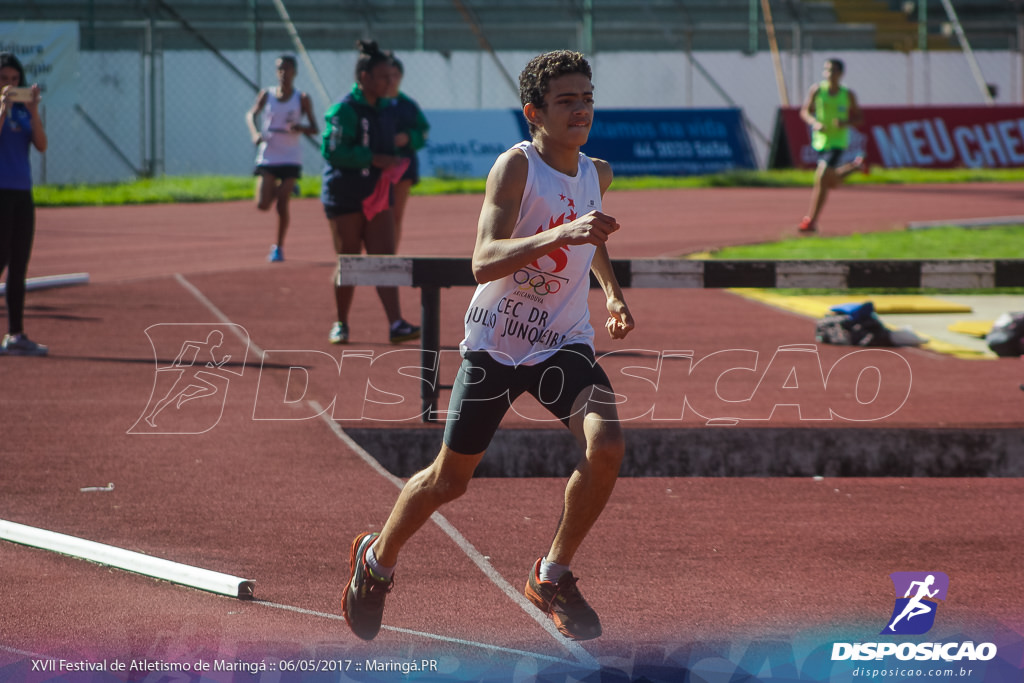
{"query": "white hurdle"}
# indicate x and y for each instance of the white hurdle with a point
(138, 563)
(50, 281)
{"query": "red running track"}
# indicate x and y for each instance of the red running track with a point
(686, 572)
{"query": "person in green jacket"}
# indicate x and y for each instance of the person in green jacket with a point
(362, 163)
(830, 110)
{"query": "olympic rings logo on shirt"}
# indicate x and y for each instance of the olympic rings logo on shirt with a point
(540, 283)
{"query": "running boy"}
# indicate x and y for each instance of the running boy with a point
(830, 110)
(540, 233)
(278, 137)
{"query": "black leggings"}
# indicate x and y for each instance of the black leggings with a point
(17, 230)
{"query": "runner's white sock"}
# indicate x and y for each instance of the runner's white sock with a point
(549, 571)
(378, 570)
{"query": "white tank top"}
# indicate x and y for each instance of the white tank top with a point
(525, 317)
(280, 145)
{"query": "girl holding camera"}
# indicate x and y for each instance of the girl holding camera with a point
(20, 126)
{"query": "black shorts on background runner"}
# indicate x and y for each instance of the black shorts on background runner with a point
(831, 156)
(280, 171)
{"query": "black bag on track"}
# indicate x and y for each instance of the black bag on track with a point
(853, 325)
(1006, 338)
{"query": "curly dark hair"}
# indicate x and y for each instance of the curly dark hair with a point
(536, 77)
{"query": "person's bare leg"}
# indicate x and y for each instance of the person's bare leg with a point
(400, 193)
(824, 180)
(590, 486)
(846, 169)
(347, 233)
(443, 481)
(284, 194)
(380, 239)
(266, 191)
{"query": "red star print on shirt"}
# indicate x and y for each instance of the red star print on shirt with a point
(560, 255)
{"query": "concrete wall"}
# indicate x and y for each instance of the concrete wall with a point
(727, 452)
(200, 103)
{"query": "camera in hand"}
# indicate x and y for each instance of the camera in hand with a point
(20, 94)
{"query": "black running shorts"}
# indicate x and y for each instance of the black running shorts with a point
(485, 389)
(280, 171)
(343, 193)
(831, 156)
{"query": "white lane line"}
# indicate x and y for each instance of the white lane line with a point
(422, 634)
(353, 446)
(475, 555)
(577, 651)
(23, 653)
(217, 313)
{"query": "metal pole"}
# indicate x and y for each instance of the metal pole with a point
(151, 164)
(926, 77)
(325, 98)
(752, 27)
(254, 39)
(725, 96)
(922, 25)
(91, 23)
(910, 79)
(780, 79)
(798, 47)
(1020, 53)
(474, 25)
(142, 104)
(430, 351)
(420, 28)
(160, 110)
(109, 142)
(689, 68)
(588, 27)
(965, 47)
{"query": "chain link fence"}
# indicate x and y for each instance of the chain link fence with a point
(169, 96)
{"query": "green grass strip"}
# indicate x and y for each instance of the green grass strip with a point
(170, 189)
(1005, 242)
(934, 243)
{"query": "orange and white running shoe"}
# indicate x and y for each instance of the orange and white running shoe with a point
(574, 618)
(362, 603)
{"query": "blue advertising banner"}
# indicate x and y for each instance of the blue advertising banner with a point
(669, 141)
(465, 143)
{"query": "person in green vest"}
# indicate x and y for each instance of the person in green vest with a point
(830, 110)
